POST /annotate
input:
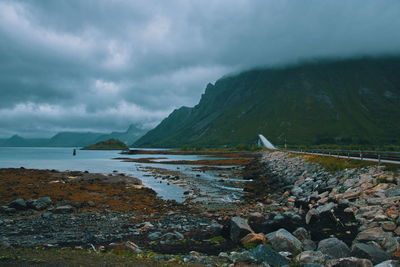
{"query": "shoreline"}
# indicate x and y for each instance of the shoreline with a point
(286, 196)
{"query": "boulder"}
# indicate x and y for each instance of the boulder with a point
(334, 248)
(39, 204)
(372, 253)
(301, 234)
(326, 208)
(311, 257)
(393, 192)
(282, 240)
(243, 256)
(264, 254)
(309, 244)
(18, 204)
(132, 246)
(154, 235)
(43, 202)
(389, 226)
(311, 213)
(389, 263)
(7, 209)
(390, 244)
(63, 209)
(371, 234)
(348, 262)
(239, 228)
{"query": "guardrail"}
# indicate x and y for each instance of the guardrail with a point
(360, 154)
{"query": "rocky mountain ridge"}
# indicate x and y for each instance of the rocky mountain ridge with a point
(352, 101)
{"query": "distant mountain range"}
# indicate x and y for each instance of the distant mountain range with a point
(353, 101)
(74, 139)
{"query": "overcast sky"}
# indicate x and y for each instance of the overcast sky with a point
(100, 65)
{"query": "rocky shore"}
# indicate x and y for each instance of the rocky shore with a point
(295, 212)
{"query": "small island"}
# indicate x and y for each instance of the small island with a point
(110, 144)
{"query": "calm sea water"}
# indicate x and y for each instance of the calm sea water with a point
(99, 161)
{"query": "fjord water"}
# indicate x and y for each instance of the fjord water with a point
(97, 161)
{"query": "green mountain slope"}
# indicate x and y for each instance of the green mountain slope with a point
(110, 144)
(346, 101)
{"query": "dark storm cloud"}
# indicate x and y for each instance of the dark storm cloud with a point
(100, 65)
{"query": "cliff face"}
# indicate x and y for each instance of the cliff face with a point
(347, 101)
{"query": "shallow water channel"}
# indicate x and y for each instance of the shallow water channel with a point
(209, 185)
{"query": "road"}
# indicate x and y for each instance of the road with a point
(346, 157)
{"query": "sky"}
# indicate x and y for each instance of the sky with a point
(100, 65)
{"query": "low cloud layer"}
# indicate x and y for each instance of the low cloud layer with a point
(98, 65)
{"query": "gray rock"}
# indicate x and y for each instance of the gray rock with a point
(18, 204)
(43, 203)
(243, 256)
(334, 248)
(392, 192)
(239, 228)
(264, 254)
(7, 209)
(365, 251)
(389, 263)
(282, 240)
(350, 182)
(172, 236)
(311, 257)
(326, 208)
(390, 244)
(77, 204)
(39, 204)
(371, 234)
(309, 244)
(312, 264)
(301, 234)
(5, 245)
(278, 217)
(47, 215)
(311, 213)
(296, 191)
(90, 203)
(349, 262)
(64, 209)
(154, 236)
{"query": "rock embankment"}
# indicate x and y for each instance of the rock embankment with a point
(329, 218)
(295, 212)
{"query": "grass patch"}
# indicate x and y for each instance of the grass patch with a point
(6, 257)
(217, 239)
(333, 164)
(69, 257)
(250, 245)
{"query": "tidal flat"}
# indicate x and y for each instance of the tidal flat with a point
(251, 213)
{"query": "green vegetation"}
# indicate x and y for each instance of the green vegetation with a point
(337, 103)
(69, 257)
(237, 148)
(111, 144)
(250, 245)
(333, 164)
(391, 148)
(217, 239)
